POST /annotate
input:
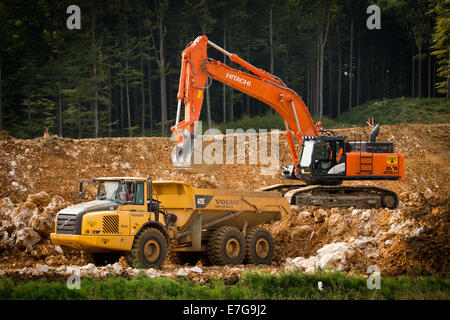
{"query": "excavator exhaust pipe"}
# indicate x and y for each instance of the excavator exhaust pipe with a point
(373, 134)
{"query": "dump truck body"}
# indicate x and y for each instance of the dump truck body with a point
(185, 216)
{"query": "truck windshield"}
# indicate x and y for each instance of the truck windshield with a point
(308, 147)
(108, 190)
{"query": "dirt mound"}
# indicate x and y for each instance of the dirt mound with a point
(409, 240)
(39, 176)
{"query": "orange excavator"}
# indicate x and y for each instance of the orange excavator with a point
(325, 160)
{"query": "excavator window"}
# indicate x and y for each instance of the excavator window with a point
(324, 158)
(330, 157)
(307, 152)
(340, 152)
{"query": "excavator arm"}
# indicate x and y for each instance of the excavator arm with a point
(197, 70)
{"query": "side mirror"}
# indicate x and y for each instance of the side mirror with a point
(80, 189)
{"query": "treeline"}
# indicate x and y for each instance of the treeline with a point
(118, 75)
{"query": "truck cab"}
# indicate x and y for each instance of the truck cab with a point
(122, 207)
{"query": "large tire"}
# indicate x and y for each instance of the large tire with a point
(149, 249)
(259, 246)
(103, 259)
(226, 245)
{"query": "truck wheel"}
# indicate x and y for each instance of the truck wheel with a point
(226, 246)
(149, 249)
(260, 246)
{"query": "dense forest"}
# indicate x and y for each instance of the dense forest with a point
(117, 75)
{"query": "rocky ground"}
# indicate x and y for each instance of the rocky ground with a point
(38, 177)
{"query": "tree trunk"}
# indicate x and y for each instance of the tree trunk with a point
(350, 67)
(127, 85)
(135, 105)
(79, 120)
(170, 94)
(162, 73)
(313, 73)
(317, 74)
(142, 84)
(285, 73)
(433, 78)
(121, 107)
(29, 106)
(231, 104)
(109, 104)
(330, 98)
(308, 80)
(339, 72)
(271, 35)
(323, 40)
(419, 76)
(429, 70)
(368, 80)
(127, 97)
(358, 72)
(448, 78)
(150, 104)
(383, 86)
(413, 93)
(94, 75)
(320, 65)
(59, 110)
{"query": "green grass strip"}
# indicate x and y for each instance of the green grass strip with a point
(336, 285)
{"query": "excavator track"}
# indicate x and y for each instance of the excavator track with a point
(337, 196)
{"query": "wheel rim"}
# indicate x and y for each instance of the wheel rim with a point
(233, 248)
(262, 248)
(151, 250)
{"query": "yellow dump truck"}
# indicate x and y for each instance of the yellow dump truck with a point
(145, 220)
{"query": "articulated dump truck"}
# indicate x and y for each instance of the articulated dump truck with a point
(146, 220)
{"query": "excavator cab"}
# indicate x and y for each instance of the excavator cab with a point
(322, 159)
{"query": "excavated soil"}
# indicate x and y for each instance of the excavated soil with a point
(38, 177)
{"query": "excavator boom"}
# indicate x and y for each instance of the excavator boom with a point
(197, 70)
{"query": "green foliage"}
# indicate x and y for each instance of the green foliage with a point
(402, 110)
(386, 111)
(336, 285)
(441, 47)
(47, 69)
